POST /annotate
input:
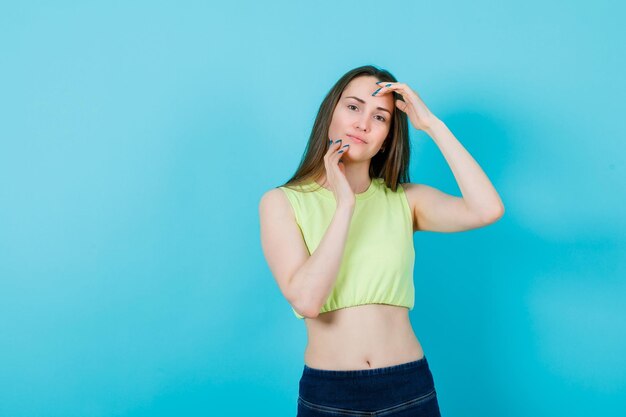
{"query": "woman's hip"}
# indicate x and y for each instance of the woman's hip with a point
(399, 390)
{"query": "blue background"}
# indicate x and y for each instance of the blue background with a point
(138, 137)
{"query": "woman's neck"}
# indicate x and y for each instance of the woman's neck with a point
(358, 179)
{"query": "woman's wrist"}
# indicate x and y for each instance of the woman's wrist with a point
(432, 125)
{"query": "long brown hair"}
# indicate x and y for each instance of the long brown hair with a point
(392, 165)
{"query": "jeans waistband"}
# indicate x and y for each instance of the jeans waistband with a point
(327, 373)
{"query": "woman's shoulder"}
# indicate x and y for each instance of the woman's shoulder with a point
(274, 194)
(282, 195)
(275, 200)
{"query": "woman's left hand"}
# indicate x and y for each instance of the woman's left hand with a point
(420, 116)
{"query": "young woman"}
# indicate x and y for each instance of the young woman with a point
(338, 238)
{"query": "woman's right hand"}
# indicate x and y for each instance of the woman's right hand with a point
(336, 174)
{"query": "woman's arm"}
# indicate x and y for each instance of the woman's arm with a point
(314, 280)
(305, 281)
(434, 209)
(479, 196)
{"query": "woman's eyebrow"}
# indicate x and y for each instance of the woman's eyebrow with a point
(363, 101)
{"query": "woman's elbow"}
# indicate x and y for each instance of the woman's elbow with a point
(494, 215)
(308, 311)
(305, 307)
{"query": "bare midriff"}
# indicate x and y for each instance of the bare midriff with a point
(361, 337)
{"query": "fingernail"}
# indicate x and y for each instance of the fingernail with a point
(345, 145)
(374, 93)
(388, 85)
(340, 151)
(338, 140)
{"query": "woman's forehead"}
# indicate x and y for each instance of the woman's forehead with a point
(362, 83)
(362, 88)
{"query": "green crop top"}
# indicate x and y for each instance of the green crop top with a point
(378, 259)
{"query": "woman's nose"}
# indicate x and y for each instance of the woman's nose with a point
(362, 123)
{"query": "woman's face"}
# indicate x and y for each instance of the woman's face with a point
(360, 114)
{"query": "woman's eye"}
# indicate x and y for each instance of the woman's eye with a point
(382, 119)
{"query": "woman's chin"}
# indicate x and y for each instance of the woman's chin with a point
(353, 158)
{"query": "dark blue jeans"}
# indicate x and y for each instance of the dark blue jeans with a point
(401, 390)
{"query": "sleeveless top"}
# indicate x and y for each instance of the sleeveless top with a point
(378, 259)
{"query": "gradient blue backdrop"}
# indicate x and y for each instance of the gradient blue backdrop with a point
(138, 137)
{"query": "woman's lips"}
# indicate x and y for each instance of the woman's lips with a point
(356, 140)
